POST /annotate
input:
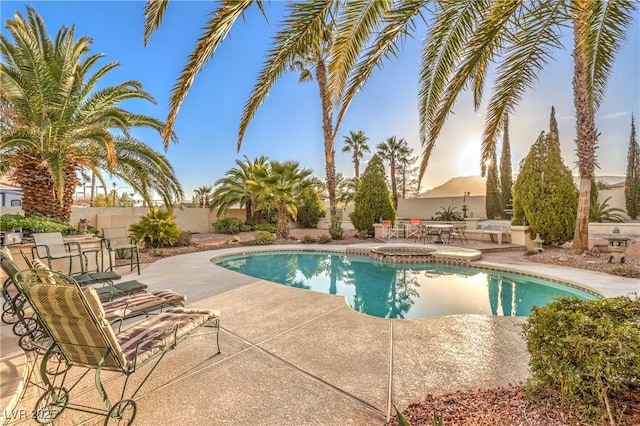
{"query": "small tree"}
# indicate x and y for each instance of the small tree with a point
(493, 202)
(506, 175)
(544, 196)
(373, 198)
(632, 181)
(310, 210)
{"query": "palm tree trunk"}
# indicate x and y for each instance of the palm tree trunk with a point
(327, 130)
(394, 183)
(586, 140)
(282, 229)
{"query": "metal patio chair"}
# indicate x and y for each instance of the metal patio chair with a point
(62, 305)
(51, 246)
(119, 243)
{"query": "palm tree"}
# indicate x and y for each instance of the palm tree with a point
(203, 195)
(465, 37)
(328, 32)
(356, 143)
(62, 125)
(392, 150)
(281, 186)
(233, 190)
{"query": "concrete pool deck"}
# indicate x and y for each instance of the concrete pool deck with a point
(292, 356)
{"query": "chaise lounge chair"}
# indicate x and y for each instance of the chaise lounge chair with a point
(108, 290)
(29, 331)
(93, 344)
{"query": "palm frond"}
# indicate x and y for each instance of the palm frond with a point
(216, 30)
(605, 28)
(536, 34)
(398, 22)
(153, 13)
(300, 30)
(487, 39)
(357, 22)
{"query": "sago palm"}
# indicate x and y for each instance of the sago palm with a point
(281, 186)
(356, 144)
(65, 125)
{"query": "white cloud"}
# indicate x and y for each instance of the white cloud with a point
(614, 115)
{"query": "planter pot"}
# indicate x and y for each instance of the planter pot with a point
(520, 236)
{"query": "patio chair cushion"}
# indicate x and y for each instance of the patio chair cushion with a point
(141, 303)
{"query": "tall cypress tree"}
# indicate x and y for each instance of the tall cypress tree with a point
(493, 202)
(632, 180)
(373, 198)
(544, 195)
(506, 175)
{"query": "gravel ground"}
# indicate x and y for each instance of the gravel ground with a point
(480, 406)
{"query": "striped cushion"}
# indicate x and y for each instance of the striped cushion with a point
(81, 330)
(181, 320)
(140, 303)
(43, 275)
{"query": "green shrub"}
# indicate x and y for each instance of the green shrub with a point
(156, 229)
(264, 238)
(335, 229)
(584, 352)
(35, 222)
(310, 211)
(373, 199)
(324, 239)
(184, 239)
(269, 227)
(308, 239)
(229, 225)
(448, 214)
(624, 270)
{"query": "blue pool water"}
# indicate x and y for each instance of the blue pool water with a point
(389, 290)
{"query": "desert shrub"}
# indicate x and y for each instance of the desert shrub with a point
(584, 352)
(363, 235)
(158, 252)
(335, 229)
(269, 227)
(156, 229)
(264, 238)
(184, 239)
(123, 253)
(35, 222)
(624, 270)
(228, 225)
(308, 239)
(324, 239)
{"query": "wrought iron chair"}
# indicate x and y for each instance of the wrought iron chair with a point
(107, 291)
(62, 305)
(51, 246)
(119, 243)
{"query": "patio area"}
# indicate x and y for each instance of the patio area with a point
(292, 356)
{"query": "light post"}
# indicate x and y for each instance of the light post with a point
(464, 204)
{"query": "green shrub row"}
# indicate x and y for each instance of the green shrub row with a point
(36, 223)
(232, 226)
(585, 352)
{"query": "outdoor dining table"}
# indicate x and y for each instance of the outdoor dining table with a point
(440, 228)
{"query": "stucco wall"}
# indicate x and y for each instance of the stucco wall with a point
(426, 208)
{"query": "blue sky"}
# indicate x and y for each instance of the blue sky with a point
(287, 127)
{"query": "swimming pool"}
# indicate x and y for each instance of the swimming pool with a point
(391, 290)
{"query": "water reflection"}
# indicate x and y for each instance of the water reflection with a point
(403, 291)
